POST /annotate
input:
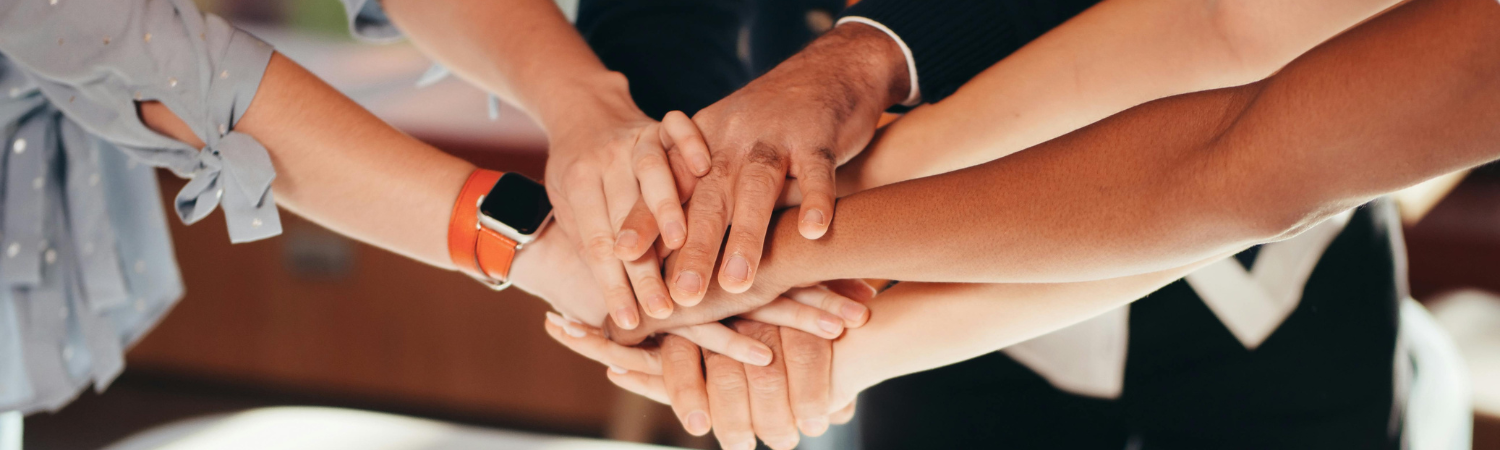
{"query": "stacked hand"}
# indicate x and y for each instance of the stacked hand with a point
(622, 193)
(709, 391)
(551, 267)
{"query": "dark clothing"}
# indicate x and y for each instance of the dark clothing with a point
(1323, 380)
(687, 54)
(954, 40)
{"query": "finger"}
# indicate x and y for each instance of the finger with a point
(770, 408)
(587, 341)
(855, 289)
(809, 371)
(720, 339)
(598, 252)
(854, 314)
(637, 233)
(729, 399)
(680, 134)
(790, 313)
(757, 185)
(659, 189)
(645, 278)
(845, 414)
(682, 372)
(716, 305)
(814, 171)
(649, 386)
(707, 216)
(634, 230)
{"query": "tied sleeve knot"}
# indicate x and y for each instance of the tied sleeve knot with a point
(234, 174)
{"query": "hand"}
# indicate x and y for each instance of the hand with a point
(802, 119)
(605, 160)
(550, 268)
(738, 401)
(834, 297)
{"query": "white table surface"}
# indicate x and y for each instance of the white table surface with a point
(312, 428)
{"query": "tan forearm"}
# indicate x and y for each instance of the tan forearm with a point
(1406, 97)
(342, 167)
(1113, 56)
(523, 50)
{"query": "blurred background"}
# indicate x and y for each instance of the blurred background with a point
(312, 318)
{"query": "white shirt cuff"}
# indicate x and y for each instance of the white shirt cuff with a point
(914, 97)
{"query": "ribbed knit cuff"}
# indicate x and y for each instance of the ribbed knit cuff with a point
(950, 40)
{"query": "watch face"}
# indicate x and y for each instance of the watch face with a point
(517, 202)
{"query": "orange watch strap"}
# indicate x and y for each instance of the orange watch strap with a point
(463, 226)
(495, 253)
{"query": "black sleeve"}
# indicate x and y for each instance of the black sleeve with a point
(954, 40)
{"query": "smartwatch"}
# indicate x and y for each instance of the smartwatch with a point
(495, 216)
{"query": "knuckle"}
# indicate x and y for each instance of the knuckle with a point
(709, 206)
(760, 331)
(649, 160)
(749, 237)
(619, 294)
(665, 205)
(758, 184)
(804, 361)
(600, 248)
(823, 155)
(724, 380)
(766, 383)
(765, 155)
(579, 174)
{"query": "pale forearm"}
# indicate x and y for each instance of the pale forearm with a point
(1114, 56)
(921, 326)
(345, 169)
(522, 50)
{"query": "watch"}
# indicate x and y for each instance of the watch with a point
(496, 214)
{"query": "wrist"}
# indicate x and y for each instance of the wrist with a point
(789, 261)
(587, 101)
(867, 56)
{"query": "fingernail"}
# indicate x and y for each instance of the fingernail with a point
(674, 234)
(659, 306)
(627, 239)
(815, 426)
(689, 282)
(738, 268)
(700, 164)
(854, 312)
(815, 217)
(625, 318)
(760, 356)
(830, 324)
(556, 319)
(697, 423)
(618, 370)
(574, 331)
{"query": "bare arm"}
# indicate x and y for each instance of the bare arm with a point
(924, 326)
(522, 50)
(342, 167)
(1116, 55)
(1406, 97)
(1403, 98)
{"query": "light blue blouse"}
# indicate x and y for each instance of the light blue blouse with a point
(86, 264)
